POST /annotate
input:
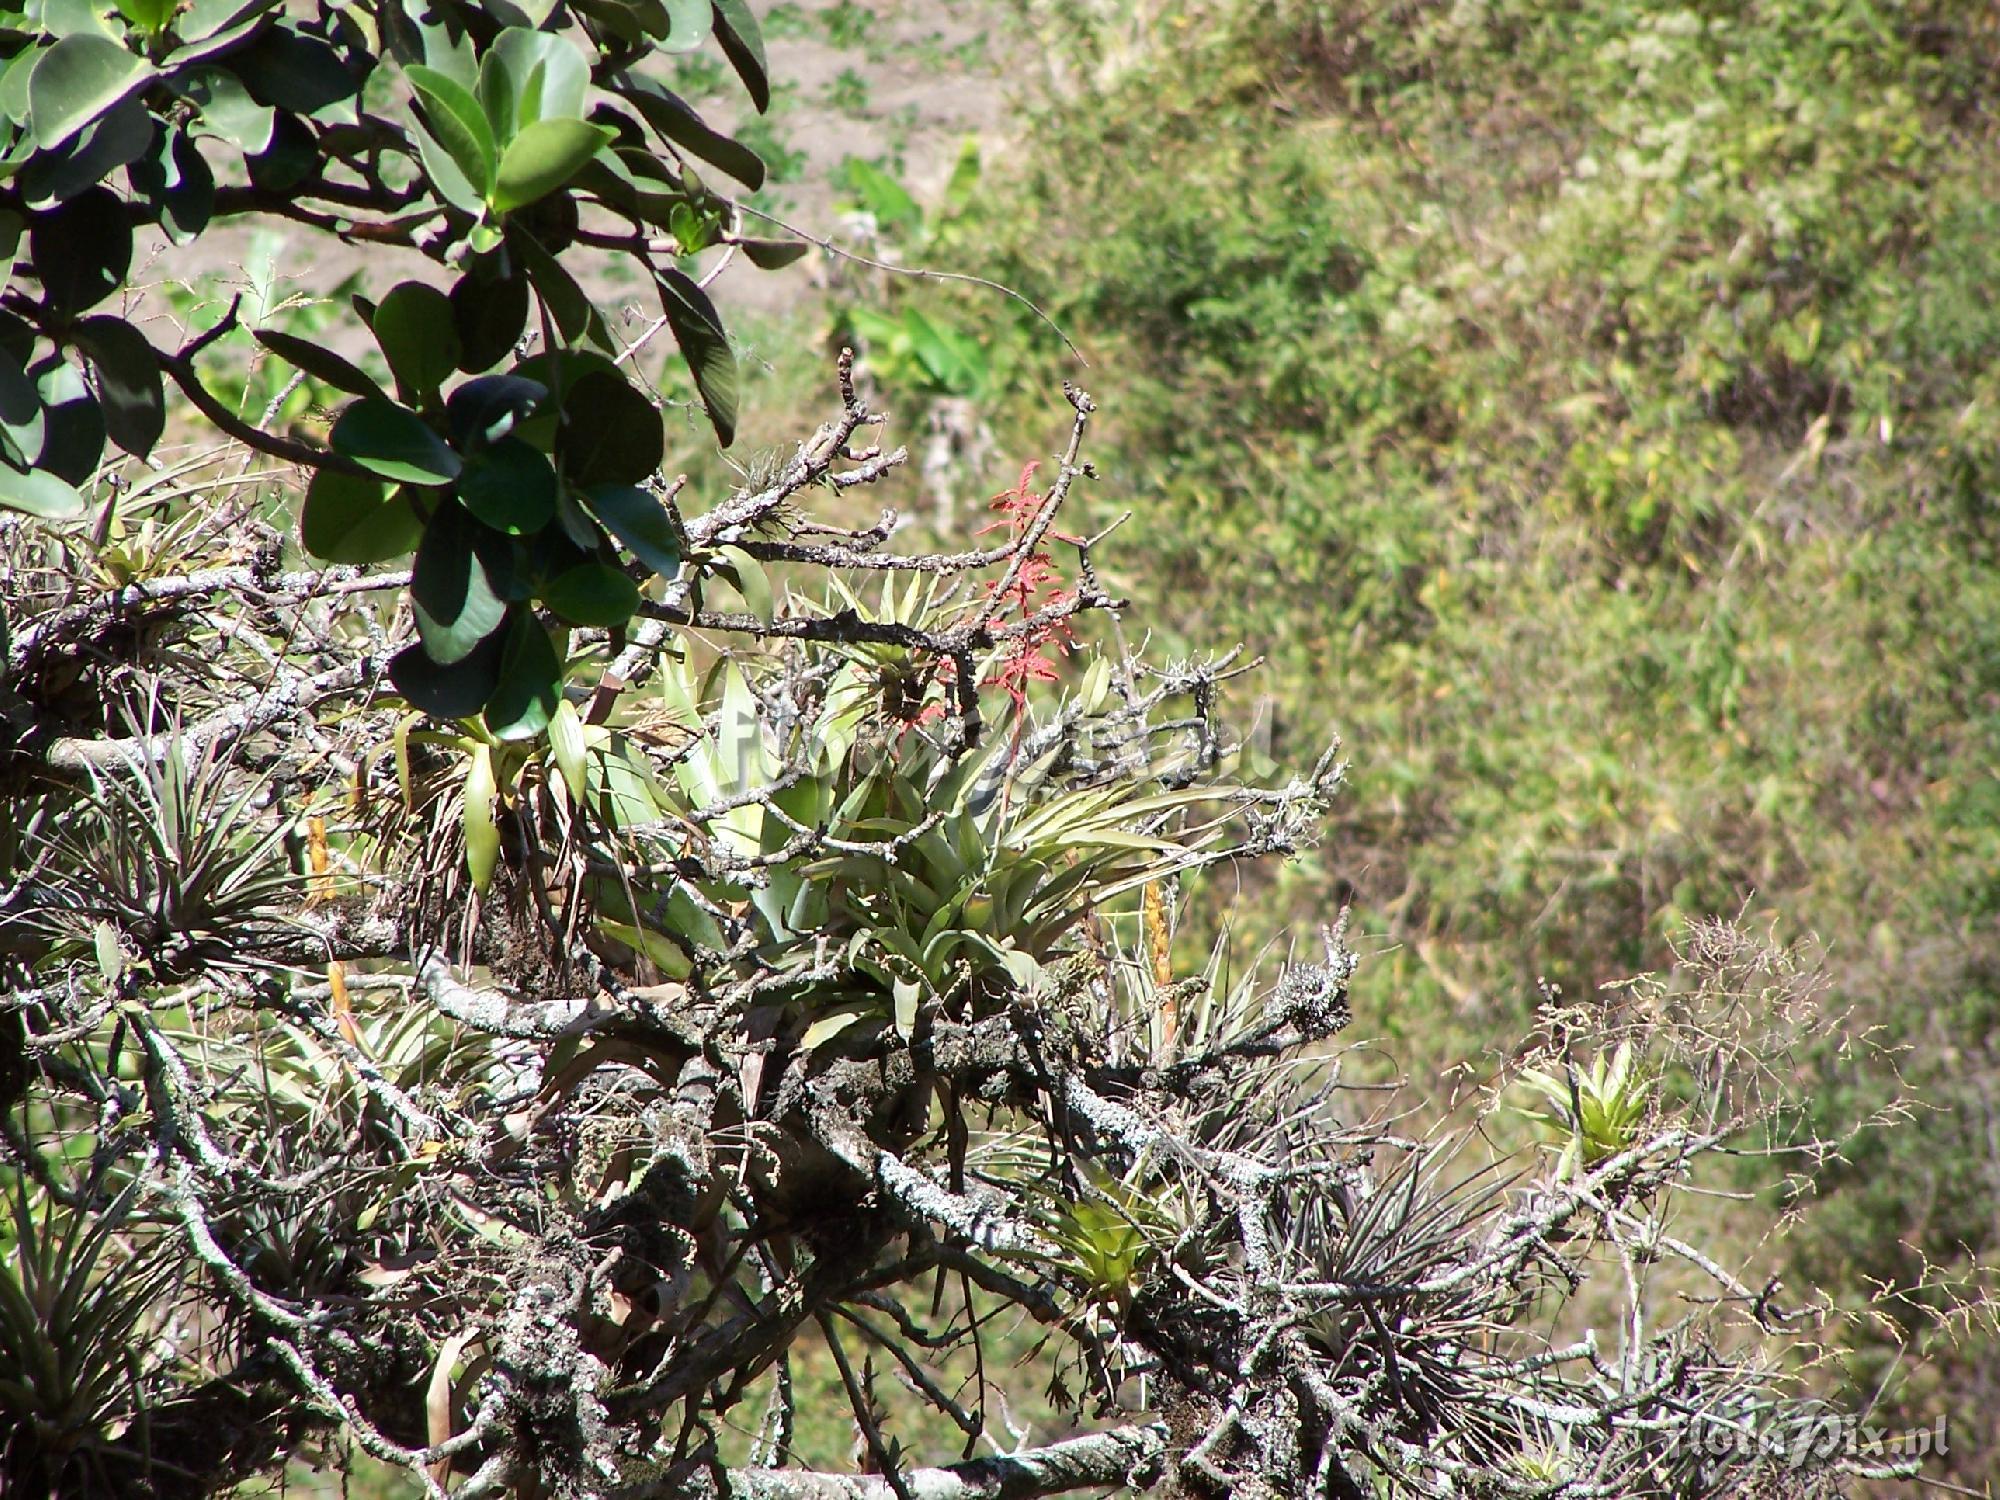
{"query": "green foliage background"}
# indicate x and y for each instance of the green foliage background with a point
(1593, 411)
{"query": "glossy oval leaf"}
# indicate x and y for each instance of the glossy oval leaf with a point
(459, 602)
(592, 594)
(638, 520)
(393, 441)
(510, 486)
(418, 336)
(79, 78)
(456, 691)
(543, 157)
(610, 433)
(351, 518)
(129, 389)
(530, 684)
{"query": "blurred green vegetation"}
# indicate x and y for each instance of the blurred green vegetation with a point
(1593, 411)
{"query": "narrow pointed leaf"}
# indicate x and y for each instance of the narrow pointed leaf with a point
(698, 330)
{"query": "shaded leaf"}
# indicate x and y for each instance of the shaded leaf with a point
(773, 255)
(530, 681)
(490, 313)
(638, 520)
(592, 594)
(129, 388)
(20, 414)
(676, 120)
(486, 409)
(294, 71)
(72, 421)
(393, 441)
(177, 180)
(227, 108)
(510, 486)
(610, 433)
(698, 330)
(349, 518)
(82, 249)
(459, 602)
(419, 338)
(319, 362)
(293, 156)
(456, 691)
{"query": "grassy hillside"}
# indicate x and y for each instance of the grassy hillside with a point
(1594, 412)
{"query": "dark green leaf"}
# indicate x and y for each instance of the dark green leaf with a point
(575, 316)
(530, 685)
(638, 520)
(38, 493)
(128, 382)
(677, 122)
(319, 362)
(460, 125)
(592, 594)
(82, 249)
(349, 518)
(486, 409)
(509, 486)
(773, 255)
(743, 44)
(449, 691)
(292, 157)
(176, 179)
(490, 313)
(72, 422)
(458, 599)
(419, 338)
(121, 136)
(610, 433)
(20, 414)
(293, 71)
(78, 79)
(704, 346)
(543, 157)
(392, 441)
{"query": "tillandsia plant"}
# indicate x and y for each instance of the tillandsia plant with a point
(512, 970)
